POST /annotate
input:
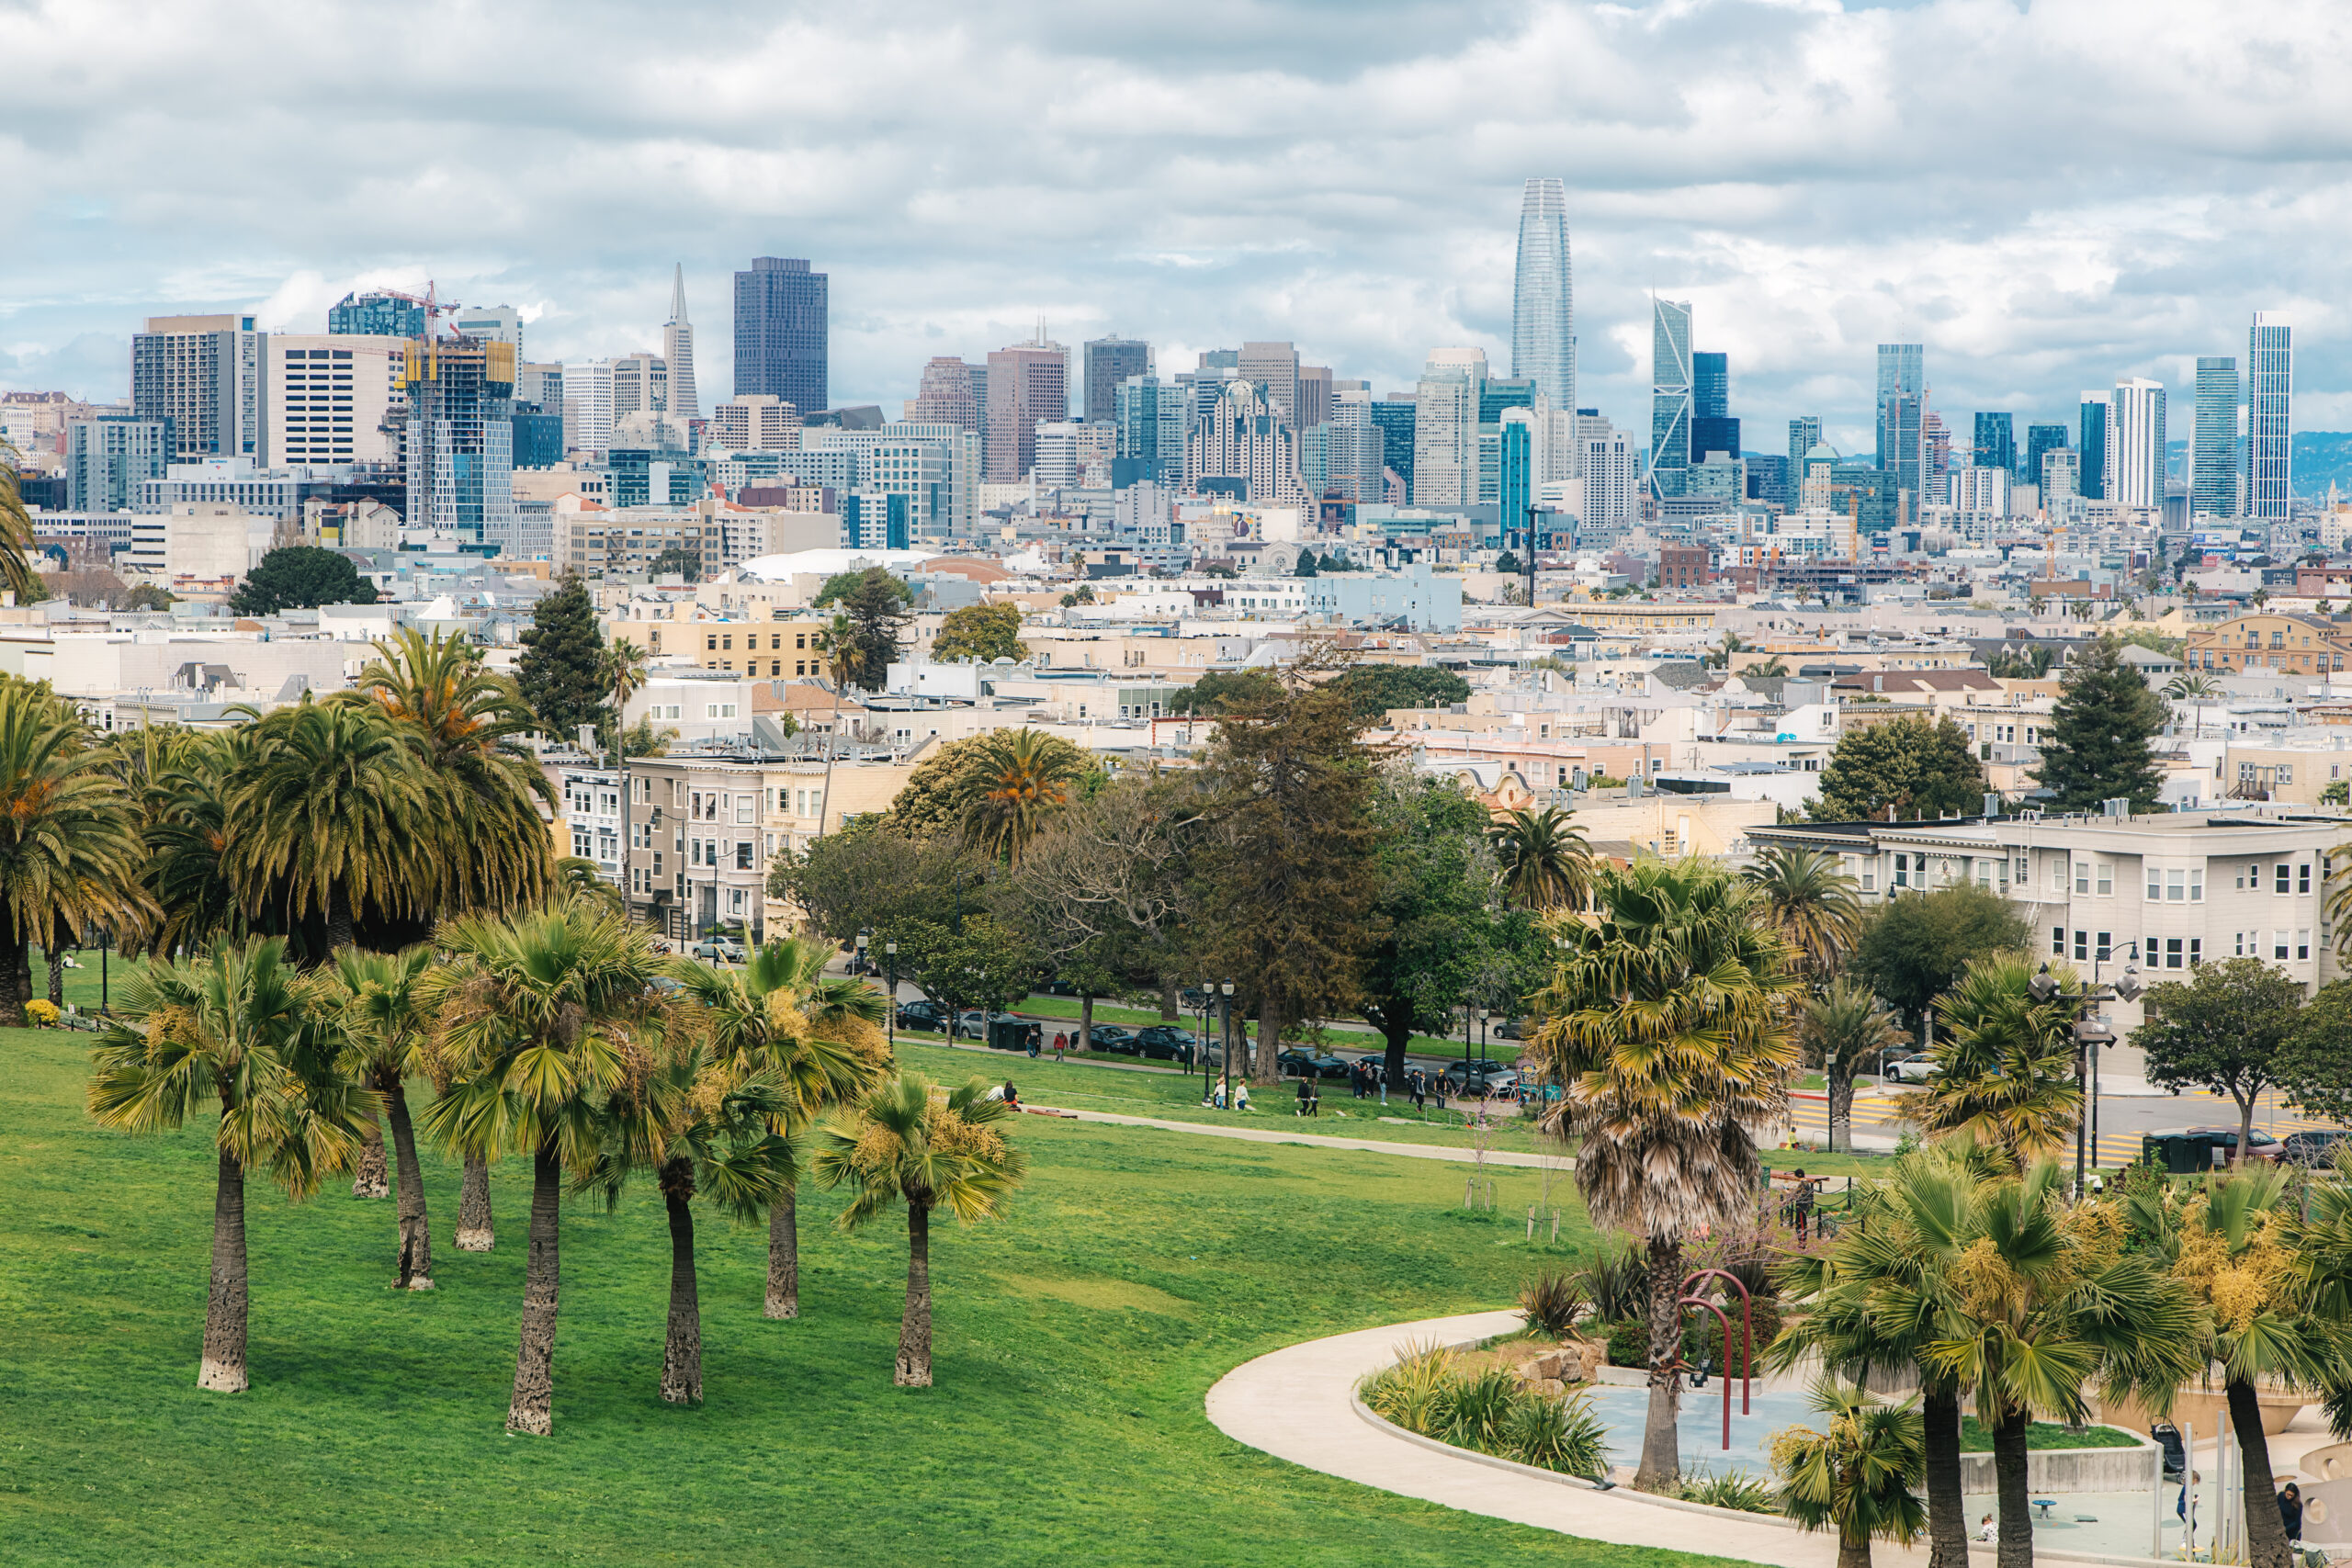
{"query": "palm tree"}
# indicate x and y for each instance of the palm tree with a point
(576, 877)
(1027, 779)
(389, 1032)
(469, 728)
(1775, 665)
(907, 1145)
(230, 1027)
(1845, 1025)
(185, 810)
(1666, 1027)
(15, 533)
(781, 1017)
(1813, 901)
(844, 661)
(330, 817)
(541, 1012)
(70, 853)
(697, 1126)
(1544, 860)
(625, 676)
(2005, 1063)
(1855, 1478)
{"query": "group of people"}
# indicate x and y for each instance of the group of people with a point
(2176, 1452)
(1215, 1101)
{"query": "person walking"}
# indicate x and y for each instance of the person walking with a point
(1437, 1089)
(1036, 1040)
(2291, 1513)
(1241, 1096)
(1304, 1093)
(1417, 1085)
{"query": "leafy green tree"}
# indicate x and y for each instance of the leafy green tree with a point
(870, 875)
(560, 672)
(1292, 874)
(147, 596)
(1843, 1028)
(981, 632)
(542, 1014)
(1813, 902)
(1372, 689)
(301, 576)
(929, 1152)
(1542, 857)
(1508, 564)
(676, 560)
(1221, 688)
(1912, 949)
(874, 610)
(2096, 747)
(1855, 1478)
(1666, 1022)
(230, 1027)
(2006, 1064)
(949, 791)
(2221, 1030)
(1306, 567)
(839, 588)
(2313, 1067)
(1435, 881)
(982, 963)
(1905, 767)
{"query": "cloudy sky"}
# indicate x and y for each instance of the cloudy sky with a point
(2050, 194)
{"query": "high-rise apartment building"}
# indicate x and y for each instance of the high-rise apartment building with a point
(1996, 443)
(1670, 396)
(1542, 315)
(1153, 416)
(326, 398)
(1247, 444)
(1344, 454)
(107, 458)
(2040, 439)
(588, 405)
(1805, 434)
(1445, 427)
(1108, 362)
(1274, 367)
(641, 383)
(2135, 444)
(1028, 382)
(678, 351)
(2270, 387)
(378, 313)
(460, 444)
(1395, 416)
(2090, 473)
(781, 344)
(2061, 475)
(1711, 427)
(1607, 485)
(1902, 414)
(948, 394)
(754, 424)
(2213, 451)
(204, 374)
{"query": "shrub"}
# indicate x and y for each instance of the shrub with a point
(1414, 1392)
(1732, 1489)
(1629, 1342)
(41, 1014)
(1427, 1392)
(1552, 1302)
(1616, 1282)
(1475, 1409)
(1556, 1434)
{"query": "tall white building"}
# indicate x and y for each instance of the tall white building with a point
(678, 352)
(588, 405)
(324, 397)
(1543, 337)
(756, 422)
(641, 381)
(1607, 485)
(1244, 438)
(1445, 428)
(493, 323)
(2135, 444)
(1342, 454)
(2270, 386)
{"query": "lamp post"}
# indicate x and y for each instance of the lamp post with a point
(1226, 986)
(890, 951)
(2088, 1037)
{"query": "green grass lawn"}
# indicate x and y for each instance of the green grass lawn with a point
(1339, 1042)
(1976, 1440)
(1076, 1340)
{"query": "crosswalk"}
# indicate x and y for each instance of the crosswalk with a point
(1880, 1112)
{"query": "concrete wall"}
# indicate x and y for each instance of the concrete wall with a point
(2057, 1471)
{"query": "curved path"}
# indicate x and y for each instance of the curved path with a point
(1298, 1404)
(1279, 1132)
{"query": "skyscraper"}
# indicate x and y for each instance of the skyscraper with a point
(678, 349)
(1445, 427)
(1109, 361)
(378, 313)
(2135, 444)
(1154, 417)
(2214, 454)
(1996, 443)
(204, 374)
(1273, 365)
(1670, 396)
(1711, 427)
(588, 405)
(781, 340)
(1027, 382)
(1805, 434)
(1244, 442)
(493, 323)
(1394, 416)
(461, 443)
(1544, 323)
(2090, 472)
(1901, 412)
(2270, 386)
(2040, 439)
(107, 458)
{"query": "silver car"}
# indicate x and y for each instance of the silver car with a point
(1918, 1069)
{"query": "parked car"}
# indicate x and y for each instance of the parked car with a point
(1484, 1078)
(2313, 1146)
(1377, 1062)
(1916, 1068)
(719, 949)
(1114, 1038)
(1166, 1042)
(1296, 1064)
(2259, 1146)
(1059, 988)
(928, 1016)
(1456, 1070)
(1511, 1029)
(973, 1024)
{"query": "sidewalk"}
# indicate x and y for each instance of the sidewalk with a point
(1279, 1132)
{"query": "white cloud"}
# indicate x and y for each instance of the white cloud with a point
(2050, 194)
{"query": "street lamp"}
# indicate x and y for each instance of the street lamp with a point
(1226, 986)
(890, 951)
(2088, 1037)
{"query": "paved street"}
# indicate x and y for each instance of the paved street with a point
(2122, 1117)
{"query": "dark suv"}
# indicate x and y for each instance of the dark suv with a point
(2313, 1146)
(1166, 1042)
(1110, 1037)
(923, 1015)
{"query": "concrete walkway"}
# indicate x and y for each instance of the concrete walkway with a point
(1297, 1404)
(1279, 1132)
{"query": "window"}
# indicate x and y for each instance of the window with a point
(2196, 951)
(2024, 871)
(727, 642)
(710, 642)
(2302, 945)
(2155, 884)
(2241, 879)
(776, 667)
(2106, 880)
(744, 807)
(2197, 884)
(2104, 949)
(744, 848)
(1870, 875)
(2176, 886)
(784, 800)
(2172, 953)
(2286, 773)
(2057, 942)
(2241, 945)
(718, 710)
(2304, 877)
(776, 643)
(2082, 876)
(2280, 879)
(2057, 876)
(2278, 946)
(1902, 871)
(2082, 946)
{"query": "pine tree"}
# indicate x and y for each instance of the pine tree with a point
(2097, 747)
(1902, 767)
(561, 658)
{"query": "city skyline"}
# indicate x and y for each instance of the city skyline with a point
(2026, 284)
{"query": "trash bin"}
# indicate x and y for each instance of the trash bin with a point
(1009, 1034)
(2172, 1152)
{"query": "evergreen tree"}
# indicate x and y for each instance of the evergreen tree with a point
(560, 671)
(2097, 747)
(301, 576)
(1307, 567)
(878, 607)
(1905, 767)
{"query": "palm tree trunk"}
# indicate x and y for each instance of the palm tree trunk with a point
(1841, 1109)
(681, 1349)
(475, 1232)
(1661, 1466)
(368, 1178)
(2010, 1491)
(913, 1369)
(1853, 1550)
(532, 1409)
(415, 1271)
(2266, 1532)
(784, 1255)
(57, 978)
(1947, 1512)
(340, 923)
(223, 1367)
(19, 990)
